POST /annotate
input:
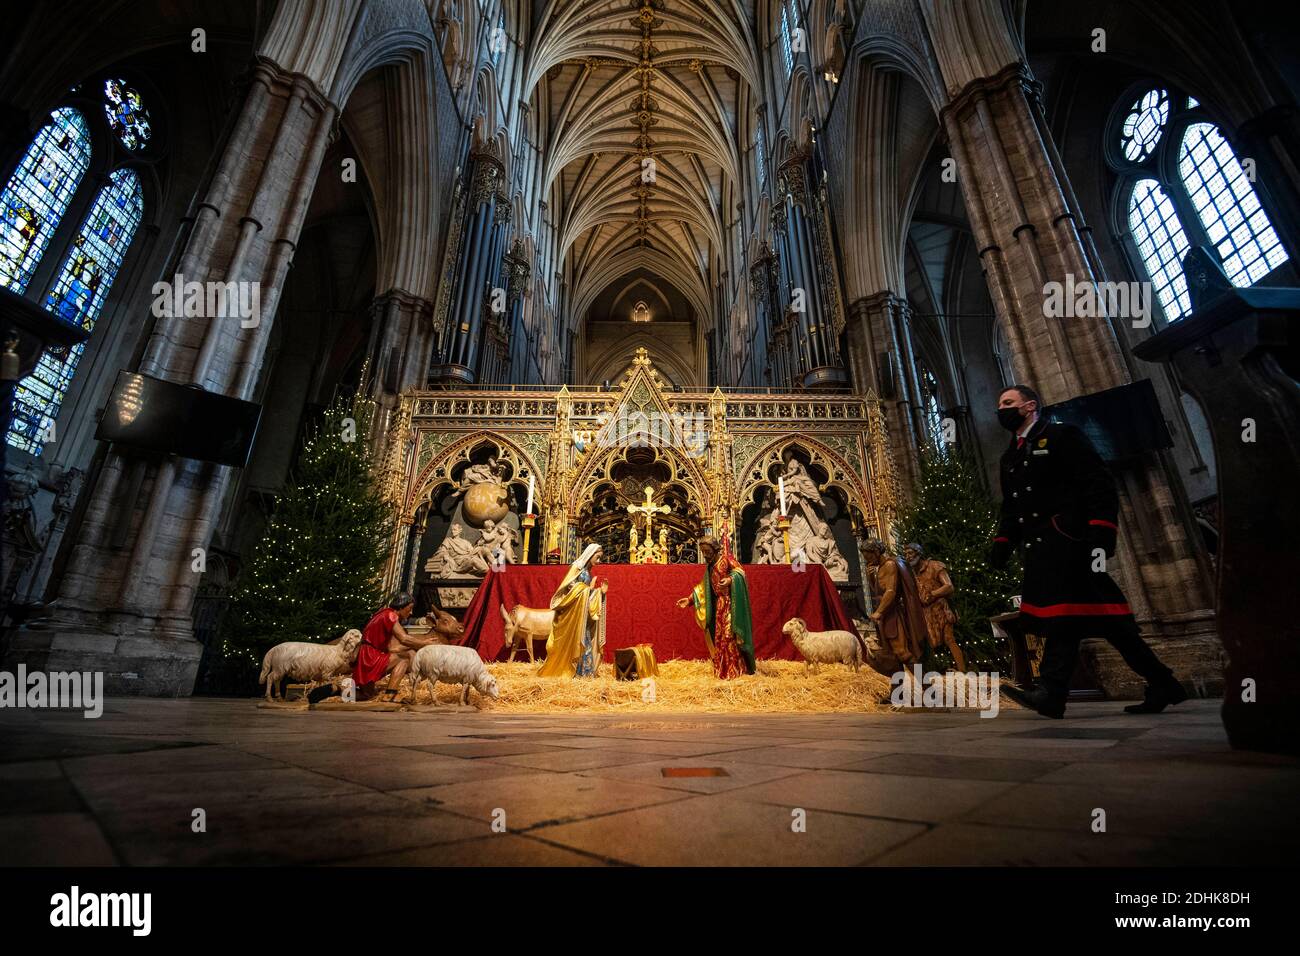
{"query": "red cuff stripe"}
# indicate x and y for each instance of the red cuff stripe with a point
(1104, 524)
(1062, 610)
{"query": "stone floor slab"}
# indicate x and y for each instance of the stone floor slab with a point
(1200, 815)
(500, 849)
(964, 844)
(53, 839)
(564, 761)
(891, 796)
(719, 831)
(539, 798)
(583, 789)
(288, 832)
(954, 766)
(737, 774)
(805, 757)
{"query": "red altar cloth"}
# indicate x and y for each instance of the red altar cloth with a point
(641, 607)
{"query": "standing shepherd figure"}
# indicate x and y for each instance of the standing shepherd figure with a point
(1059, 506)
(935, 586)
(722, 610)
(898, 615)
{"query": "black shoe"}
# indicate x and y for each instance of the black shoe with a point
(1036, 699)
(1158, 697)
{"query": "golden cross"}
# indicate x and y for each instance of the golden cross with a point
(649, 509)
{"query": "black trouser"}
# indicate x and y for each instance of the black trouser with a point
(1061, 654)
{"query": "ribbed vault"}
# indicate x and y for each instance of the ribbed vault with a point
(640, 100)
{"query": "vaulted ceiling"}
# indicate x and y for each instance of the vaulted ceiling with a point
(640, 99)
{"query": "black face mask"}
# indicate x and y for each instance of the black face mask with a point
(1010, 418)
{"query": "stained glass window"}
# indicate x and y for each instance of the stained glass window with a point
(786, 50)
(127, 116)
(497, 38)
(759, 148)
(1210, 201)
(1227, 205)
(1162, 244)
(37, 195)
(1144, 124)
(78, 297)
(930, 408)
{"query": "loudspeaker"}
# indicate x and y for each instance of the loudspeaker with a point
(888, 375)
(393, 371)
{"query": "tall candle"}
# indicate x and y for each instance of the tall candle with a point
(528, 508)
(780, 483)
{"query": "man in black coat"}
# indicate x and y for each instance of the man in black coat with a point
(1060, 508)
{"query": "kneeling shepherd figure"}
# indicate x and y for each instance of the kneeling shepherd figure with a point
(387, 649)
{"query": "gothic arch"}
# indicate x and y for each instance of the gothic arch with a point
(840, 474)
(400, 154)
(437, 472)
(615, 359)
(598, 463)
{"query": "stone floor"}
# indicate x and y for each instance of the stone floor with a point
(905, 788)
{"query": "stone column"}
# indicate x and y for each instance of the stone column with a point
(879, 344)
(401, 339)
(1030, 232)
(124, 602)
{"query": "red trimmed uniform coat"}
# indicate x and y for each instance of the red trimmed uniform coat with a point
(1060, 508)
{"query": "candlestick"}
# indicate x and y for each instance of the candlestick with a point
(528, 508)
(783, 522)
(780, 484)
(528, 521)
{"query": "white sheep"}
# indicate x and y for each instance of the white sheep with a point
(824, 647)
(304, 661)
(452, 664)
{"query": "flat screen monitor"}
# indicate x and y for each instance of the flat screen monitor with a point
(157, 415)
(1121, 422)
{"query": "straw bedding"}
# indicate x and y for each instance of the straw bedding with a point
(683, 687)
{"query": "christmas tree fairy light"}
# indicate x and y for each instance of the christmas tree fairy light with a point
(317, 569)
(953, 516)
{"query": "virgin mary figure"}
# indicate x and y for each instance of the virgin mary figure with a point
(577, 641)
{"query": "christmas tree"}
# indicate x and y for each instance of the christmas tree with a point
(953, 517)
(317, 570)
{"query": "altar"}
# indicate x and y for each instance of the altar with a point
(641, 608)
(517, 483)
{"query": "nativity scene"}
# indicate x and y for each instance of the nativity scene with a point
(531, 387)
